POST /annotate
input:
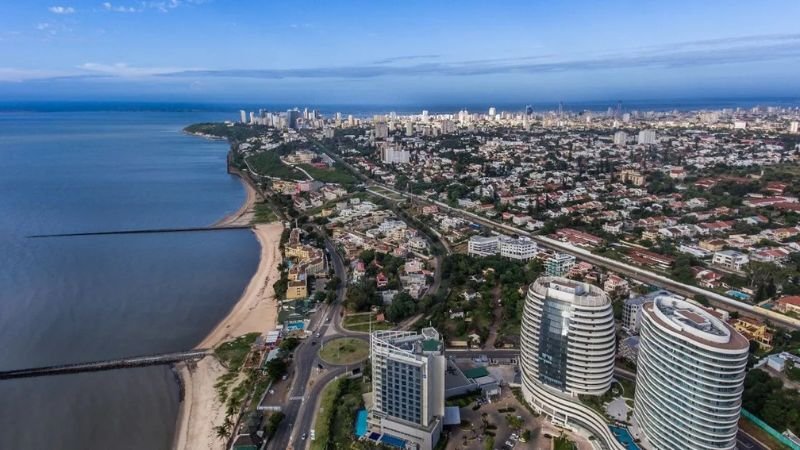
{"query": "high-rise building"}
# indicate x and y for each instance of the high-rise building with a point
(492, 112)
(620, 138)
(647, 137)
(409, 128)
(448, 126)
(391, 155)
(408, 371)
(690, 377)
(381, 130)
(567, 350)
(242, 116)
(794, 126)
(291, 118)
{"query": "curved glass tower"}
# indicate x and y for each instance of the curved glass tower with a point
(690, 377)
(567, 349)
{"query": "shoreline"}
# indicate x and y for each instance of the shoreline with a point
(255, 311)
(245, 214)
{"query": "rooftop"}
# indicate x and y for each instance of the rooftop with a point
(695, 323)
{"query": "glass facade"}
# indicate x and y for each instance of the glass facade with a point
(401, 391)
(553, 344)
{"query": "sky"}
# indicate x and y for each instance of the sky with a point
(404, 53)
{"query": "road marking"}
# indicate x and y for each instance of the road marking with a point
(296, 397)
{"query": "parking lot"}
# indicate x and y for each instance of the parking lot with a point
(501, 418)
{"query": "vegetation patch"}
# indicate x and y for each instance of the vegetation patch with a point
(344, 351)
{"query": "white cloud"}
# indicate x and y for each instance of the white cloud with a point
(124, 70)
(61, 9)
(120, 9)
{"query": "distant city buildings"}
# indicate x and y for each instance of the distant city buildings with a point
(647, 137)
(392, 155)
(620, 138)
(690, 377)
(408, 371)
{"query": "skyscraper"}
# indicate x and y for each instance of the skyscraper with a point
(242, 116)
(567, 350)
(690, 377)
(291, 118)
(408, 386)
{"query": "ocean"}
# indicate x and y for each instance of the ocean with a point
(76, 299)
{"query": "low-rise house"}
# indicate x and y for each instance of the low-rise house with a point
(730, 259)
(788, 304)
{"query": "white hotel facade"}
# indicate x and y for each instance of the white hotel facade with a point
(690, 378)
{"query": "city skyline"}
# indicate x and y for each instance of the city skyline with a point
(365, 53)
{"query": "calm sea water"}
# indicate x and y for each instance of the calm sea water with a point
(88, 298)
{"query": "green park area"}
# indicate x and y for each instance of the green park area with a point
(344, 351)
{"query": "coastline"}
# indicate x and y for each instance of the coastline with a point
(245, 214)
(255, 311)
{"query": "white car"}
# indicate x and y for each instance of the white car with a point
(312, 435)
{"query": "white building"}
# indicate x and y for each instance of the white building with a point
(730, 259)
(381, 130)
(559, 264)
(794, 127)
(483, 246)
(567, 350)
(620, 138)
(523, 249)
(242, 116)
(391, 155)
(630, 313)
(690, 377)
(647, 137)
(408, 386)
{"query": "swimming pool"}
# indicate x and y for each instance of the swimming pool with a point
(393, 441)
(624, 437)
(361, 423)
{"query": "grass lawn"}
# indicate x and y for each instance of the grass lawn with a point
(232, 353)
(269, 163)
(336, 174)
(344, 351)
(364, 327)
(326, 407)
(264, 213)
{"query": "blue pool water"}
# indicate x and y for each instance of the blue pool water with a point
(361, 423)
(738, 295)
(624, 437)
(393, 441)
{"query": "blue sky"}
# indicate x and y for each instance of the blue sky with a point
(410, 52)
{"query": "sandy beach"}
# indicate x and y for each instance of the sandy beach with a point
(244, 215)
(256, 311)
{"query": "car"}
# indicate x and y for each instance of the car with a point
(318, 335)
(284, 377)
(312, 435)
(303, 437)
(313, 342)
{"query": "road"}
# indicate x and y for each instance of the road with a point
(634, 272)
(299, 410)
